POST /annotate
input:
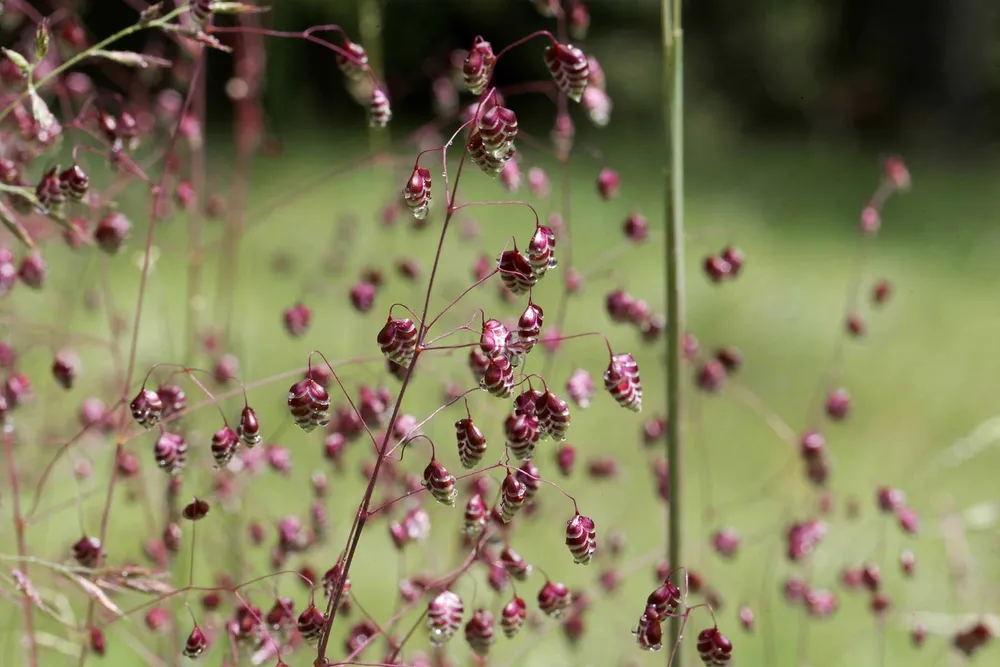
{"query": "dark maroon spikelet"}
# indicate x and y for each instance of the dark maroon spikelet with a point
(417, 192)
(398, 340)
(493, 339)
(555, 412)
(665, 599)
(225, 442)
(97, 643)
(65, 367)
(554, 599)
(522, 432)
(444, 617)
(512, 617)
(196, 643)
(147, 408)
(498, 130)
(471, 442)
(608, 184)
(440, 483)
(733, 256)
(649, 631)
(529, 326)
(310, 623)
(569, 69)
(516, 271)
(111, 232)
(87, 551)
(581, 538)
(33, 271)
(379, 109)
(541, 251)
(170, 452)
(513, 494)
(309, 404)
(478, 66)
(173, 397)
(296, 319)
(489, 163)
(621, 379)
(476, 513)
(479, 632)
(74, 182)
(248, 428)
(50, 193)
(514, 564)
(714, 648)
(498, 379)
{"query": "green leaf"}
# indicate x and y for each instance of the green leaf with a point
(23, 66)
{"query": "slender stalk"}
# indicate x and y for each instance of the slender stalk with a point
(28, 608)
(673, 121)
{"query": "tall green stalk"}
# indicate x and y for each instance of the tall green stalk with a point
(673, 125)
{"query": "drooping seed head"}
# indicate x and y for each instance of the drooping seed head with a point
(580, 387)
(622, 381)
(471, 442)
(735, 258)
(554, 416)
(513, 494)
(112, 231)
(716, 268)
(714, 647)
(170, 452)
(248, 428)
(510, 176)
(498, 379)
(478, 66)
(74, 182)
(147, 408)
(87, 551)
(476, 513)
(554, 599)
(440, 483)
(297, 319)
(881, 292)
(838, 403)
(398, 340)
(417, 192)
(488, 162)
(726, 542)
(581, 539)
(173, 397)
(310, 623)
(196, 643)
(538, 182)
(529, 475)
(196, 510)
(33, 270)
(896, 173)
(608, 184)
(710, 376)
(541, 252)
(225, 444)
(512, 617)
(522, 432)
(493, 339)
(909, 520)
(890, 500)
(50, 193)
(309, 404)
(569, 69)
(514, 564)
(529, 326)
(65, 367)
(444, 617)
(812, 445)
(498, 130)
(516, 271)
(597, 105)
(648, 632)
(379, 109)
(479, 632)
(362, 296)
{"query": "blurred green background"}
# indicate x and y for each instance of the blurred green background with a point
(791, 106)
